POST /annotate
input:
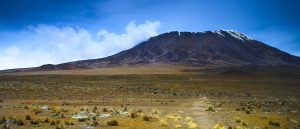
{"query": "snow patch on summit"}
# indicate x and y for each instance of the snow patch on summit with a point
(218, 32)
(233, 33)
(238, 35)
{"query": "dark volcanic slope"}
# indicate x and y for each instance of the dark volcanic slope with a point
(219, 47)
(207, 48)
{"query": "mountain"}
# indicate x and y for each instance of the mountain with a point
(217, 48)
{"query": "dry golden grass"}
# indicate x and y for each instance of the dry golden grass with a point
(162, 93)
(120, 70)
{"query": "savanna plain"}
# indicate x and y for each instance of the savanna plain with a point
(152, 97)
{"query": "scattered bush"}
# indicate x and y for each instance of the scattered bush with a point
(57, 122)
(238, 120)
(25, 107)
(46, 120)
(52, 122)
(133, 115)
(3, 120)
(140, 111)
(146, 118)
(20, 122)
(67, 123)
(247, 111)
(60, 126)
(113, 123)
(244, 123)
(34, 122)
(81, 120)
(273, 123)
(95, 109)
(94, 123)
(71, 123)
(210, 108)
(125, 109)
(62, 116)
(27, 117)
(5, 126)
(105, 110)
(11, 120)
(37, 111)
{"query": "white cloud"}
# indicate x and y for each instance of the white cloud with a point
(46, 44)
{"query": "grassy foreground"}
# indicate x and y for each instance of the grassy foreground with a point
(188, 97)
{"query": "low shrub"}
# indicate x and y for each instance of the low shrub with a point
(46, 120)
(113, 123)
(60, 126)
(210, 108)
(146, 118)
(105, 110)
(20, 122)
(125, 109)
(248, 112)
(27, 117)
(273, 123)
(133, 115)
(94, 123)
(238, 120)
(81, 120)
(244, 123)
(3, 120)
(52, 122)
(34, 122)
(95, 109)
(6, 126)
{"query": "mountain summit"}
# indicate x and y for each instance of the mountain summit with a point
(218, 48)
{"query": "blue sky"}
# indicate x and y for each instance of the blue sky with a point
(36, 32)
